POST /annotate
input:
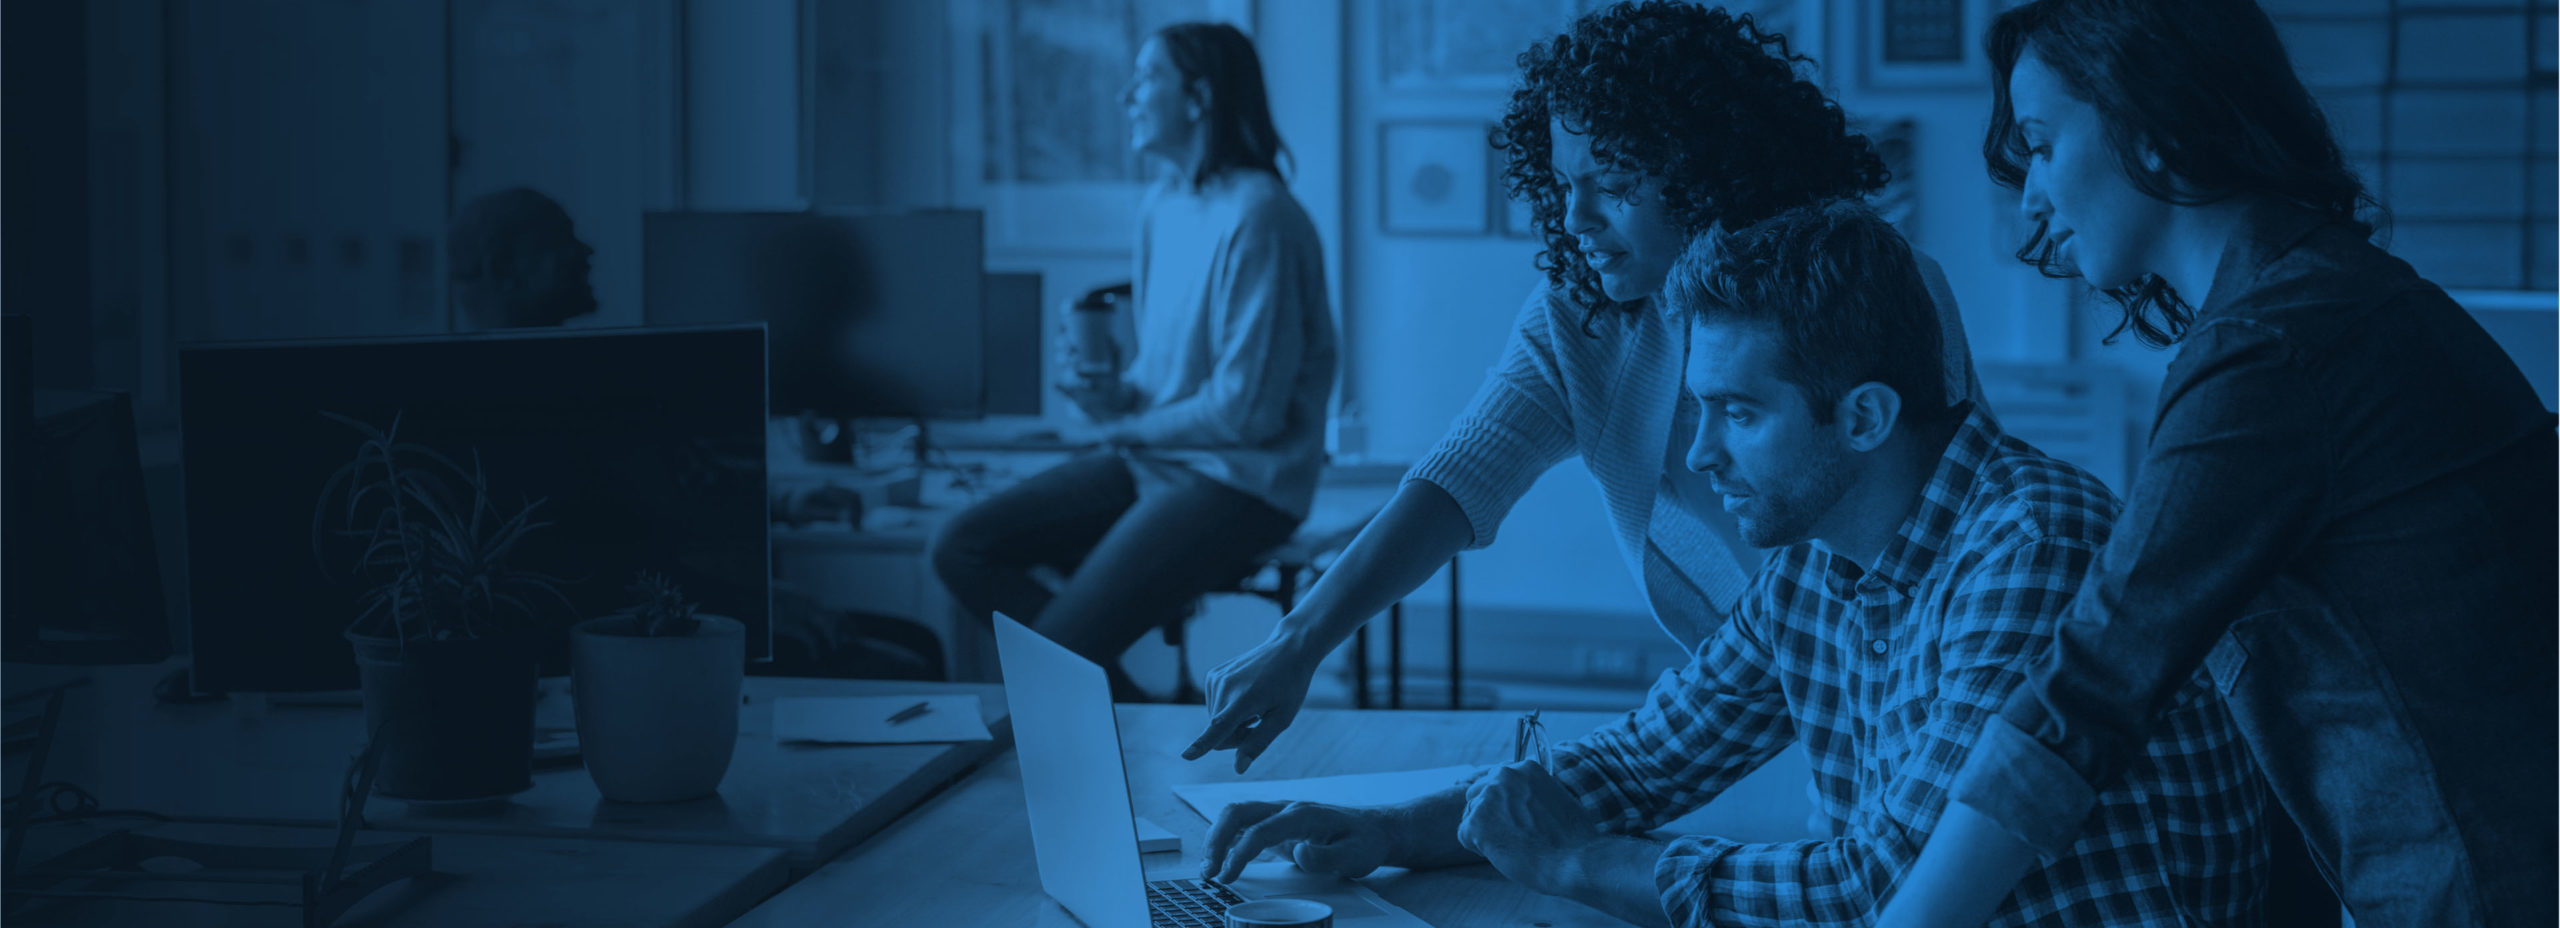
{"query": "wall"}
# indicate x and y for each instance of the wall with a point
(1424, 319)
(742, 113)
(308, 151)
(580, 99)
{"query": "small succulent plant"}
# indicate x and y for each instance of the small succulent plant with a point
(661, 610)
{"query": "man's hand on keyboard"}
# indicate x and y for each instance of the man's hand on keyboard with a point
(1321, 838)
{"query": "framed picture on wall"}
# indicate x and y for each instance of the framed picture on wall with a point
(1435, 178)
(1897, 142)
(1047, 152)
(1924, 43)
(1475, 45)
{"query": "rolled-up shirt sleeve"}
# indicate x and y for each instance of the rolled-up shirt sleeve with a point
(1701, 729)
(2231, 489)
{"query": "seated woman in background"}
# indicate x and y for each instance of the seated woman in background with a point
(1214, 436)
(1641, 126)
(2345, 514)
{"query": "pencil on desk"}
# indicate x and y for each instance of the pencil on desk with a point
(910, 712)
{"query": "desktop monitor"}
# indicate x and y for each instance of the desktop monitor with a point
(17, 423)
(1013, 361)
(84, 585)
(644, 446)
(79, 575)
(872, 314)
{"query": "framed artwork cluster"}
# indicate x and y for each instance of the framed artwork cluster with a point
(1924, 43)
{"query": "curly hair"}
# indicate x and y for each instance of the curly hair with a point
(2203, 84)
(1694, 95)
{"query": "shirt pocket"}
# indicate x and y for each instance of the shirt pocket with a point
(2268, 618)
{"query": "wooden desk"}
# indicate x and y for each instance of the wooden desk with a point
(487, 881)
(965, 856)
(283, 767)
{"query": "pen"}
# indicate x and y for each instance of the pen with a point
(1530, 741)
(910, 712)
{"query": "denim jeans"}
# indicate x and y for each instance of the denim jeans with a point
(1134, 560)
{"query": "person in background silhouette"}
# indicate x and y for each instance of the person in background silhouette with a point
(517, 262)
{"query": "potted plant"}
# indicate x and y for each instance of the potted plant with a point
(656, 688)
(445, 642)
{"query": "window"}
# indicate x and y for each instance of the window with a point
(2445, 108)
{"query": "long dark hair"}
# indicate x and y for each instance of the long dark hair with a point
(1702, 98)
(2204, 85)
(1241, 135)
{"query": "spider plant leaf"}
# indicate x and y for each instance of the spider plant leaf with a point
(519, 605)
(360, 425)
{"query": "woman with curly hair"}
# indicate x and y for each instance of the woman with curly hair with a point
(1642, 126)
(2345, 513)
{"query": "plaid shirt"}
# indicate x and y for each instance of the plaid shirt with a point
(1887, 676)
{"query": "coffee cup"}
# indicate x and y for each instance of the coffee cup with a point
(1280, 913)
(1089, 330)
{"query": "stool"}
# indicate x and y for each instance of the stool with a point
(1281, 573)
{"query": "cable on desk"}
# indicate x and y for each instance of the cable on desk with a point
(68, 802)
(120, 897)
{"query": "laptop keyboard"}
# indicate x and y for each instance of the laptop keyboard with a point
(1190, 903)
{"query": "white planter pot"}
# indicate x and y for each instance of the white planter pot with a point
(657, 717)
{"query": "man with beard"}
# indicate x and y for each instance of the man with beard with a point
(1924, 559)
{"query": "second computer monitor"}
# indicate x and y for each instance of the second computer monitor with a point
(871, 314)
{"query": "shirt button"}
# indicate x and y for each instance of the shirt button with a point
(1877, 646)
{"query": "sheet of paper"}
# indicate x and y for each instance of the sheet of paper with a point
(1767, 805)
(865, 719)
(1153, 837)
(1359, 789)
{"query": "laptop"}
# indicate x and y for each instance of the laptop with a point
(1084, 831)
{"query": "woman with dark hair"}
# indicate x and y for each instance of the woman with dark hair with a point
(1215, 431)
(1641, 126)
(2344, 516)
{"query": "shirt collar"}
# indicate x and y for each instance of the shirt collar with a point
(2270, 229)
(1924, 533)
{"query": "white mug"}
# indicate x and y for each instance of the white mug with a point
(1280, 913)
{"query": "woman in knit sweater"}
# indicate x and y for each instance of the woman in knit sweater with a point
(1215, 433)
(1641, 126)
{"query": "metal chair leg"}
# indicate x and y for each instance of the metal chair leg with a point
(1360, 668)
(1455, 687)
(1395, 655)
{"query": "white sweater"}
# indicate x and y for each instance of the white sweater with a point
(1235, 357)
